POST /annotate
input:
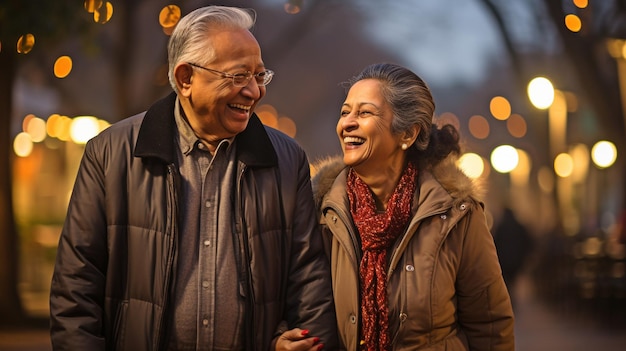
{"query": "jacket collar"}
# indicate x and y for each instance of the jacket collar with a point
(157, 133)
(445, 182)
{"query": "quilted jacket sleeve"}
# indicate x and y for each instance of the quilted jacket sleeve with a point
(77, 290)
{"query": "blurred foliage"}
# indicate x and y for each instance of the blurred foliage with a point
(44, 19)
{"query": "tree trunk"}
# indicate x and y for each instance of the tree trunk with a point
(11, 310)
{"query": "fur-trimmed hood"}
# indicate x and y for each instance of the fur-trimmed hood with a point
(446, 172)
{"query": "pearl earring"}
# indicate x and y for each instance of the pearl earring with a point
(404, 146)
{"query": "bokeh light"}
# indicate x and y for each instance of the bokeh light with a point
(563, 165)
(169, 16)
(471, 164)
(51, 124)
(36, 128)
(521, 173)
(541, 92)
(516, 125)
(25, 43)
(580, 155)
(581, 4)
(92, 5)
(616, 48)
(293, 7)
(504, 158)
(573, 23)
(287, 126)
(22, 144)
(500, 108)
(83, 128)
(268, 115)
(62, 67)
(103, 14)
(478, 126)
(448, 118)
(25, 121)
(604, 154)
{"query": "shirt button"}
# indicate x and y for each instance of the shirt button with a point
(207, 203)
(409, 268)
(443, 216)
(205, 284)
(207, 243)
(352, 319)
(205, 322)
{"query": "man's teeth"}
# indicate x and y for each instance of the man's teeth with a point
(241, 107)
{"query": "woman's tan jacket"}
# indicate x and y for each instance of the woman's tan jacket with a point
(445, 286)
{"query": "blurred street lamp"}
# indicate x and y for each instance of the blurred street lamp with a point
(504, 158)
(541, 92)
(543, 95)
(604, 154)
(617, 50)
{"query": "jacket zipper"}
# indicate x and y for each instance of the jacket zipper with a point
(241, 229)
(172, 213)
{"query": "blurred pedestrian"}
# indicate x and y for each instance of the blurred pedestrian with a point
(192, 226)
(514, 245)
(413, 262)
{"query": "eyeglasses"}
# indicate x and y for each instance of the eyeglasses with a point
(242, 79)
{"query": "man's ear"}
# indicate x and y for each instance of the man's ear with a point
(183, 74)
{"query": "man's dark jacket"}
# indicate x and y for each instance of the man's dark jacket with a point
(116, 261)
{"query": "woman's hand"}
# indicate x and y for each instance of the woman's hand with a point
(298, 340)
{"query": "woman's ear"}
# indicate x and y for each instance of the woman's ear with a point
(410, 135)
(183, 74)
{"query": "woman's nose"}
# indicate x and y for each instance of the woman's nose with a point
(349, 122)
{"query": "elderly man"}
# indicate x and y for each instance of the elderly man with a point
(192, 226)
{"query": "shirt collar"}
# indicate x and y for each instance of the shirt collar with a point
(187, 138)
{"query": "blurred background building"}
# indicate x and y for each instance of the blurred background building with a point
(536, 87)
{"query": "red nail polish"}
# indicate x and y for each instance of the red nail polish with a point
(305, 332)
(315, 340)
(320, 346)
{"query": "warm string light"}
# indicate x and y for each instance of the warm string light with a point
(293, 6)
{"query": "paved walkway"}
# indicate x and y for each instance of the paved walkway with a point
(543, 328)
(538, 328)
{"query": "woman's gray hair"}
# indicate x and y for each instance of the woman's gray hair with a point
(409, 97)
(189, 41)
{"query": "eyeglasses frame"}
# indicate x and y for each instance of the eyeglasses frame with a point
(248, 74)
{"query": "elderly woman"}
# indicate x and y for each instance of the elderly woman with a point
(413, 262)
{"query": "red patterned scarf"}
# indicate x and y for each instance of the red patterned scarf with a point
(378, 232)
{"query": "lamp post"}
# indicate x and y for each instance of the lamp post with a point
(544, 96)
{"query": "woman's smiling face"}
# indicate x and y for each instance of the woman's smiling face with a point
(364, 129)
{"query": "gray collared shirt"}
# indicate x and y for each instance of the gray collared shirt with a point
(207, 310)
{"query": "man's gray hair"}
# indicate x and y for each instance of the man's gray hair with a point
(189, 41)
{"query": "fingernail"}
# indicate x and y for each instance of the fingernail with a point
(305, 332)
(315, 340)
(320, 346)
